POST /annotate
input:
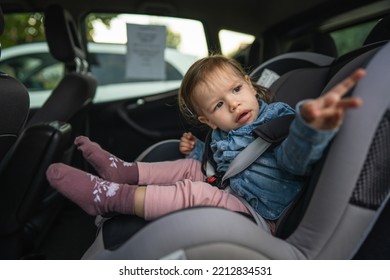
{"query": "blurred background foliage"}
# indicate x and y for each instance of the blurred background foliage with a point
(27, 28)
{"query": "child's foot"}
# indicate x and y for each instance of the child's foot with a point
(107, 165)
(94, 195)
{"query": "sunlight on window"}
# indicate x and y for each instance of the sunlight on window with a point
(232, 42)
(187, 36)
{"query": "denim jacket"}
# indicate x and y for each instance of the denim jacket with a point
(272, 182)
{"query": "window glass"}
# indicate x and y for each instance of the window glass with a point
(25, 54)
(37, 71)
(351, 38)
(232, 42)
(108, 48)
(110, 68)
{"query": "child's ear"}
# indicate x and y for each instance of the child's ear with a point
(205, 120)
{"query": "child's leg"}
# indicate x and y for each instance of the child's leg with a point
(184, 194)
(169, 172)
(113, 169)
(97, 196)
(107, 165)
(94, 195)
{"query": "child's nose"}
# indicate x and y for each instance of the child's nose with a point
(233, 104)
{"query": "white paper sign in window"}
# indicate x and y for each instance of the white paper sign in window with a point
(145, 52)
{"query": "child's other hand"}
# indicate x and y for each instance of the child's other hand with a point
(327, 111)
(187, 143)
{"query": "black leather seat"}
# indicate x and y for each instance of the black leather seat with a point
(316, 42)
(14, 100)
(71, 99)
(15, 103)
(380, 32)
(28, 205)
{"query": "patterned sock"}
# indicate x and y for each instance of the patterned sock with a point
(107, 165)
(93, 194)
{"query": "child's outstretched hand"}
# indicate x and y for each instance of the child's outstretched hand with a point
(327, 111)
(187, 143)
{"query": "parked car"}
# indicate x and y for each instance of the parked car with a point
(36, 68)
(344, 217)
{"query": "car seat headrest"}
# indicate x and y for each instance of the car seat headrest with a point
(62, 36)
(321, 43)
(380, 32)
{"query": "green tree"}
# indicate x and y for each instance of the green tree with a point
(104, 18)
(22, 28)
(350, 38)
(173, 39)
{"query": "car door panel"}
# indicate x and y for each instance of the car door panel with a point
(127, 127)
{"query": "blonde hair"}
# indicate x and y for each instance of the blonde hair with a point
(199, 72)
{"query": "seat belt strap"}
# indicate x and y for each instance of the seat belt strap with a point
(246, 157)
(272, 132)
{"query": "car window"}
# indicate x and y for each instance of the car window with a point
(37, 71)
(109, 58)
(27, 57)
(232, 42)
(350, 38)
(110, 68)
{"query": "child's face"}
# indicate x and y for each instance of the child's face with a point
(227, 101)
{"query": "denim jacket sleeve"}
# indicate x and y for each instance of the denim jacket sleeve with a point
(198, 151)
(303, 147)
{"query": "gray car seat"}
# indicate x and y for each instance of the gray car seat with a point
(314, 50)
(348, 193)
(268, 72)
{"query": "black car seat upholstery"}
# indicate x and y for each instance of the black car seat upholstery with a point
(316, 42)
(28, 205)
(380, 32)
(350, 189)
(71, 99)
(15, 103)
(250, 56)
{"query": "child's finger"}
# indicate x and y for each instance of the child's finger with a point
(344, 86)
(348, 103)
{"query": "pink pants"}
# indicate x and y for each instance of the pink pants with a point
(174, 185)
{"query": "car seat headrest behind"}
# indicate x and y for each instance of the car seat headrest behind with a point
(321, 43)
(62, 36)
(380, 32)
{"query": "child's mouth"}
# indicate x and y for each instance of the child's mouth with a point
(244, 117)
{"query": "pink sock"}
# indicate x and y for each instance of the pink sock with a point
(107, 165)
(94, 195)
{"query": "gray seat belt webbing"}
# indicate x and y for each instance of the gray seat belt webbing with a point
(246, 157)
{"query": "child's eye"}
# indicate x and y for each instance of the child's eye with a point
(219, 105)
(237, 89)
